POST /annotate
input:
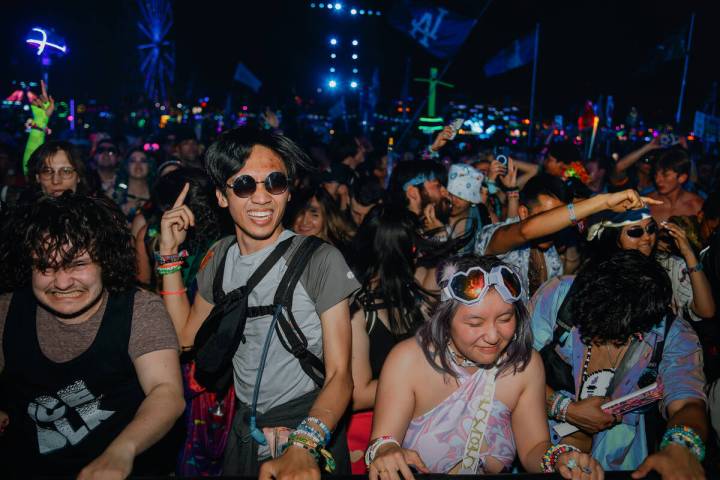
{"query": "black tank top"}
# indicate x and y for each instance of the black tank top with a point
(66, 414)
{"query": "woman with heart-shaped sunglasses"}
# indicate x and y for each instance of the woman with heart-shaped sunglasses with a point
(467, 393)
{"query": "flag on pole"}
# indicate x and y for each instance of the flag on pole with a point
(246, 77)
(438, 30)
(672, 48)
(519, 53)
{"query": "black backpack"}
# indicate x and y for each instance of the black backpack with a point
(220, 335)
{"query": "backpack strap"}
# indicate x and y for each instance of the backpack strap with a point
(290, 335)
(258, 274)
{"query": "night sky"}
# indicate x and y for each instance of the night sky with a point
(587, 49)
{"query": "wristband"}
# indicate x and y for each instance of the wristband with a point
(173, 292)
(172, 258)
(687, 437)
(549, 459)
(375, 446)
(571, 212)
(168, 270)
(491, 186)
(320, 424)
(696, 268)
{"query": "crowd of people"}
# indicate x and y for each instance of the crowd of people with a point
(256, 305)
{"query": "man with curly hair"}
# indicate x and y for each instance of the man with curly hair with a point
(89, 363)
(605, 334)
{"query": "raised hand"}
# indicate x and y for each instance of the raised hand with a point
(509, 179)
(496, 170)
(442, 138)
(629, 200)
(175, 223)
(43, 101)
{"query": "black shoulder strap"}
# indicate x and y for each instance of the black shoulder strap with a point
(290, 335)
(257, 275)
(564, 322)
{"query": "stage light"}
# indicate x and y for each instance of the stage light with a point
(354, 56)
(312, 5)
(332, 84)
(377, 12)
(330, 6)
(353, 12)
(42, 43)
(361, 12)
(338, 6)
(333, 41)
(353, 84)
(332, 55)
(321, 5)
(355, 70)
(354, 42)
(332, 69)
(369, 12)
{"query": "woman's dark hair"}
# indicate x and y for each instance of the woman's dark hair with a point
(337, 229)
(434, 335)
(123, 175)
(385, 245)
(228, 154)
(46, 151)
(211, 223)
(616, 296)
(53, 231)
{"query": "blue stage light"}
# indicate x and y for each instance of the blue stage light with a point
(362, 12)
(355, 70)
(354, 56)
(333, 41)
(354, 42)
(353, 12)
(332, 69)
(321, 5)
(338, 6)
(332, 84)
(353, 84)
(332, 55)
(369, 12)
(330, 6)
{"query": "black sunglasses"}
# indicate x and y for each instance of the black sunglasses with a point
(276, 183)
(638, 231)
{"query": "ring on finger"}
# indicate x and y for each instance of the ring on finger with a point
(587, 470)
(572, 463)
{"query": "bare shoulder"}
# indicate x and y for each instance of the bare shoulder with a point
(533, 371)
(406, 356)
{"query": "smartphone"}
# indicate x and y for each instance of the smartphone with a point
(455, 125)
(502, 154)
(668, 140)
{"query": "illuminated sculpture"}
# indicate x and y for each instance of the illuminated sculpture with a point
(47, 45)
(157, 62)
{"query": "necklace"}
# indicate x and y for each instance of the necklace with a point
(617, 358)
(459, 360)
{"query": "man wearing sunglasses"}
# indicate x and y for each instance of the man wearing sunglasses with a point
(105, 161)
(251, 170)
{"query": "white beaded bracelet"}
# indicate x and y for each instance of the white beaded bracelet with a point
(375, 446)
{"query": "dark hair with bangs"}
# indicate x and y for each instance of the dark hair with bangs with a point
(228, 154)
(616, 296)
(53, 231)
(434, 335)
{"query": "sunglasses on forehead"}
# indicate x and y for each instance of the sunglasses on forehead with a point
(638, 231)
(471, 286)
(275, 183)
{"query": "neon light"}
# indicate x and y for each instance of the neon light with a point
(43, 43)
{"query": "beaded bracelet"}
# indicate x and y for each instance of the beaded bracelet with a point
(172, 258)
(549, 459)
(320, 453)
(320, 424)
(563, 409)
(375, 446)
(571, 212)
(168, 268)
(310, 433)
(685, 436)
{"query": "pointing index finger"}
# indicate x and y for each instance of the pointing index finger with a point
(43, 88)
(651, 201)
(181, 198)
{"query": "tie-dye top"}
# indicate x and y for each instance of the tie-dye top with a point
(439, 436)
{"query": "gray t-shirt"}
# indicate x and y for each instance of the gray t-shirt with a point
(325, 282)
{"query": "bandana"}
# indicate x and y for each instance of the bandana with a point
(613, 219)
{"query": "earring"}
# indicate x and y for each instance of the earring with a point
(514, 337)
